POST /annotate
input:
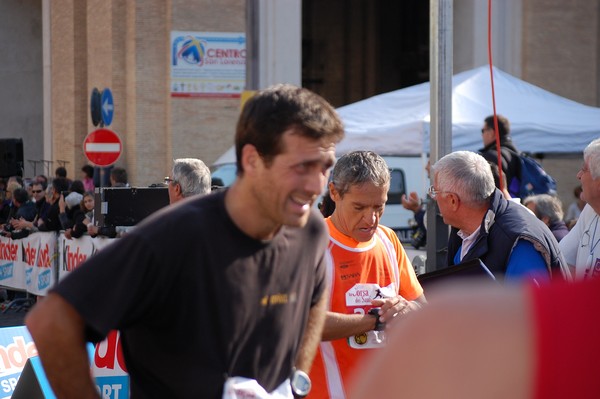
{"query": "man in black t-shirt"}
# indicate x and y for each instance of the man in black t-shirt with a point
(213, 290)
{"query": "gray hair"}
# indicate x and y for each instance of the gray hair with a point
(546, 205)
(192, 175)
(466, 174)
(591, 155)
(360, 167)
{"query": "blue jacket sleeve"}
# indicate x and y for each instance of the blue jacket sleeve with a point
(526, 263)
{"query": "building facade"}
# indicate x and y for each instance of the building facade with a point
(57, 51)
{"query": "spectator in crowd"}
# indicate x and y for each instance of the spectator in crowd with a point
(24, 210)
(24, 206)
(575, 208)
(87, 177)
(548, 209)
(38, 190)
(118, 178)
(52, 220)
(77, 187)
(61, 173)
(580, 247)
(258, 245)
(506, 236)
(327, 205)
(492, 342)
(83, 216)
(42, 179)
(68, 206)
(189, 176)
(6, 208)
(17, 179)
(371, 279)
(413, 203)
(511, 164)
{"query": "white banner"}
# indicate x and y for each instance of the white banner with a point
(12, 270)
(40, 277)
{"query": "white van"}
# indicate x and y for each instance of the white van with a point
(407, 172)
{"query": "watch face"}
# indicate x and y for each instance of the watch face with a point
(300, 383)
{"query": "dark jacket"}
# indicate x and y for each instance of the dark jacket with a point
(52, 219)
(26, 211)
(511, 164)
(42, 206)
(505, 223)
(559, 229)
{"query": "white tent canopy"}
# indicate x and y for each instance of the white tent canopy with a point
(397, 123)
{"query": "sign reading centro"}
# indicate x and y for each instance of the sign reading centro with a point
(102, 147)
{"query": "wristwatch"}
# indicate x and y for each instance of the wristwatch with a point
(300, 383)
(379, 326)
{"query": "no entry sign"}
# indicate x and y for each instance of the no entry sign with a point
(102, 147)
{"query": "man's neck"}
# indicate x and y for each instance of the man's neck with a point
(245, 211)
(471, 220)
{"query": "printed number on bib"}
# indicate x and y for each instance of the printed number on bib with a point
(358, 301)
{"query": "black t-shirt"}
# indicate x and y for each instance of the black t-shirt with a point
(197, 300)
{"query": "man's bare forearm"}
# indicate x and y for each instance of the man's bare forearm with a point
(58, 332)
(312, 335)
(340, 325)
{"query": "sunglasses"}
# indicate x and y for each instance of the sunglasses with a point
(36, 191)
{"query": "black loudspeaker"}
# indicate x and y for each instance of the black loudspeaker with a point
(127, 206)
(11, 157)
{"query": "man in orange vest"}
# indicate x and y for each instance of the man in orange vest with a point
(371, 280)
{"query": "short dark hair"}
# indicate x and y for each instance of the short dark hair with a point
(43, 179)
(273, 111)
(20, 195)
(503, 124)
(88, 170)
(61, 171)
(40, 183)
(60, 184)
(77, 186)
(119, 175)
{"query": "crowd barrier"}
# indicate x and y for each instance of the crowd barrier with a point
(37, 262)
(34, 264)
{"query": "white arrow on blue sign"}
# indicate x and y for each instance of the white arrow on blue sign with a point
(107, 107)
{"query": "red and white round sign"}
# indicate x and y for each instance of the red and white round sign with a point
(102, 147)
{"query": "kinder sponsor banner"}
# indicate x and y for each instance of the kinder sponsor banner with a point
(41, 275)
(102, 242)
(72, 253)
(208, 64)
(108, 368)
(16, 346)
(12, 268)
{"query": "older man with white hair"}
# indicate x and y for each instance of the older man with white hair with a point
(580, 247)
(507, 238)
(189, 176)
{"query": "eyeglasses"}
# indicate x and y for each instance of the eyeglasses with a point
(433, 193)
(36, 191)
(168, 180)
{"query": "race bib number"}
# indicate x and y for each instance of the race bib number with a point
(358, 301)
